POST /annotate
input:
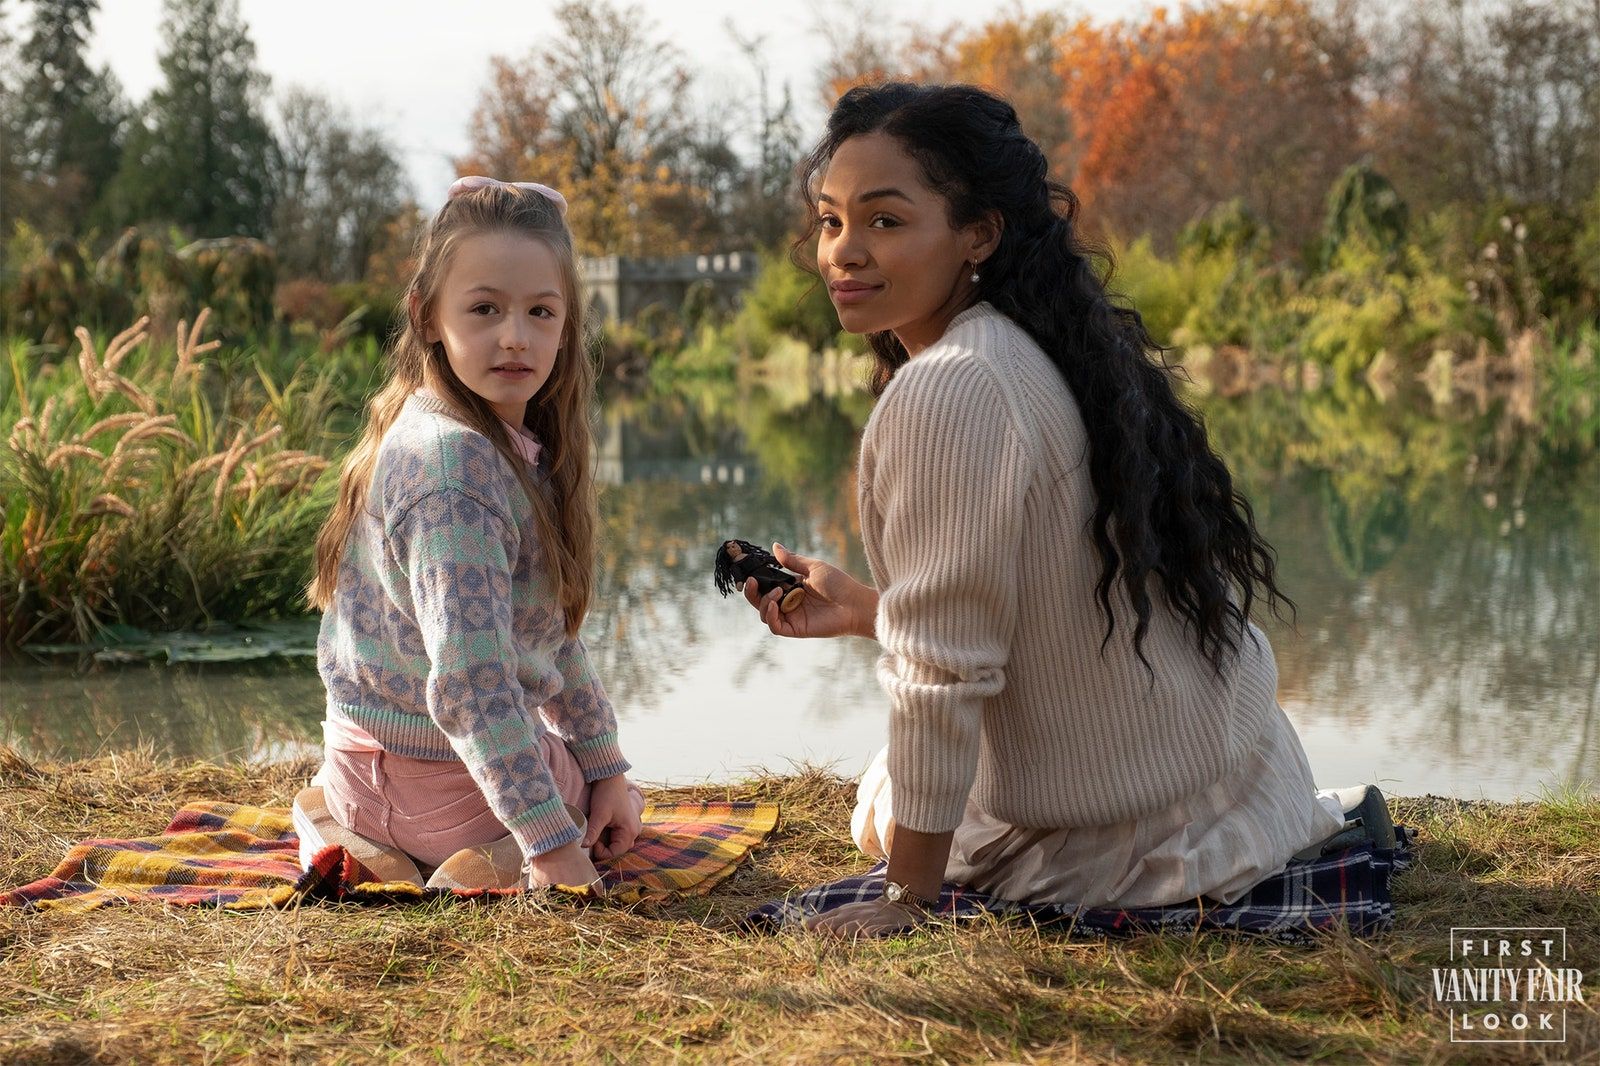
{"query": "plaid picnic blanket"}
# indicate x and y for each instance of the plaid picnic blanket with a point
(1348, 888)
(247, 858)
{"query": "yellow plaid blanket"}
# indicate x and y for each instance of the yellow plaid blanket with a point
(246, 858)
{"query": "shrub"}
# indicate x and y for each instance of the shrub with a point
(785, 301)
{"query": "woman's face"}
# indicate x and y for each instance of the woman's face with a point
(885, 246)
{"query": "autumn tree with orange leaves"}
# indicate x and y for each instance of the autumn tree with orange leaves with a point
(1155, 121)
(1181, 112)
(597, 113)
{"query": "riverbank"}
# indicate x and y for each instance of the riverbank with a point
(530, 982)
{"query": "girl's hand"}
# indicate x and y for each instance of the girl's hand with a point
(870, 917)
(567, 865)
(613, 817)
(836, 604)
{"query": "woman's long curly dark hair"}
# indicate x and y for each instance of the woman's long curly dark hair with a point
(1165, 502)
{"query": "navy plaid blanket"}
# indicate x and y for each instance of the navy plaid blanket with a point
(1344, 889)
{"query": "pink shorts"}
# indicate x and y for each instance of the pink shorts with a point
(427, 808)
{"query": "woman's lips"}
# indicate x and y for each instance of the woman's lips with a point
(852, 292)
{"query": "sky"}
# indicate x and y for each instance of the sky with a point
(415, 69)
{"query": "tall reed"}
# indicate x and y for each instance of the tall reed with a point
(156, 487)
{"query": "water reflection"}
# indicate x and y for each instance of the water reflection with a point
(1446, 567)
(258, 709)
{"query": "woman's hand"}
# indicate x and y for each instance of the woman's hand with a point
(836, 604)
(613, 818)
(567, 865)
(870, 917)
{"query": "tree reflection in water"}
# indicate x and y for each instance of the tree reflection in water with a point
(1446, 566)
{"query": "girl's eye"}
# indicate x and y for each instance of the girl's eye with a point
(483, 309)
(542, 312)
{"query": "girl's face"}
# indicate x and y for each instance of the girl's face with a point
(501, 312)
(885, 246)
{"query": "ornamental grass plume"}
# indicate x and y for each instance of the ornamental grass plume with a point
(145, 487)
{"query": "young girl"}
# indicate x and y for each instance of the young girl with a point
(455, 570)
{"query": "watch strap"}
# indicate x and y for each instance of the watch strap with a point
(895, 892)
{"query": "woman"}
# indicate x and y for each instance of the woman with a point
(1081, 710)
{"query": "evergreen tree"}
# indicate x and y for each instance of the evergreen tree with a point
(10, 156)
(66, 119)
(201, 154)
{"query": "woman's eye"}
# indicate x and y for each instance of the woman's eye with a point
(885, 222)
(827, 221)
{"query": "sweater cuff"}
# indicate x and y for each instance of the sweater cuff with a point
(599, 757)
(544, 828)
(922, 811)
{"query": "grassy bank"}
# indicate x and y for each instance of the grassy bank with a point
(529, 982)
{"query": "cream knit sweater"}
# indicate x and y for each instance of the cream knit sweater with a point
(975, 505)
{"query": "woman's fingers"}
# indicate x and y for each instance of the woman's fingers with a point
(787, 559)
(868, 918)
(770, 613)
(766, 606)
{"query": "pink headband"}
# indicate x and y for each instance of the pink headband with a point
(478, 181)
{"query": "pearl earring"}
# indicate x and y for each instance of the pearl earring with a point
(974, 273)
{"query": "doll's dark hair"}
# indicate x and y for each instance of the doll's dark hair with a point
(1166, 505)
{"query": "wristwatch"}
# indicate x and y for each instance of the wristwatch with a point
(895, 892)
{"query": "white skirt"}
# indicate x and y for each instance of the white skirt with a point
(1218, 843)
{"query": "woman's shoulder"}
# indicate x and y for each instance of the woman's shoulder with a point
(983, 332)
(972, 362)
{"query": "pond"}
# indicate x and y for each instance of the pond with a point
(1445, 564)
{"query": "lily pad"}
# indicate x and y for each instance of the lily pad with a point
(224, 642)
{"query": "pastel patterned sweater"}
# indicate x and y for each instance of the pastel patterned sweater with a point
(445, 639)
(975, 511)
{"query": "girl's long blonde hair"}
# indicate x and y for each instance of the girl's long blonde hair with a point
(564, 505)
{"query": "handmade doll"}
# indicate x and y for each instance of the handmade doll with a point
(739, 560)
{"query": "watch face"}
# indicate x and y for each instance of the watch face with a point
(894, 892)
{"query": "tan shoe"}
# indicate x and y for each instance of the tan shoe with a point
(315, 825)
(496, 865)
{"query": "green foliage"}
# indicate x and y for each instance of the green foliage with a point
(1371, 300)
(785, 301)
(1569, 393)
(1586, 253)
(236, 277)
(1163, 290)
(1528, 262)
(140, 274)
(1375, 290)
(53, 289)
(1206, 294)
(1363, 206)
(1230, 228)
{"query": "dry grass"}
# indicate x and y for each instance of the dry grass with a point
(524, 981)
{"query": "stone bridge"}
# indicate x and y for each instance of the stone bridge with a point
(620, 287)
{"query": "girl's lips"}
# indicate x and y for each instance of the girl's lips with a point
(512, 371)
(853, 294)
